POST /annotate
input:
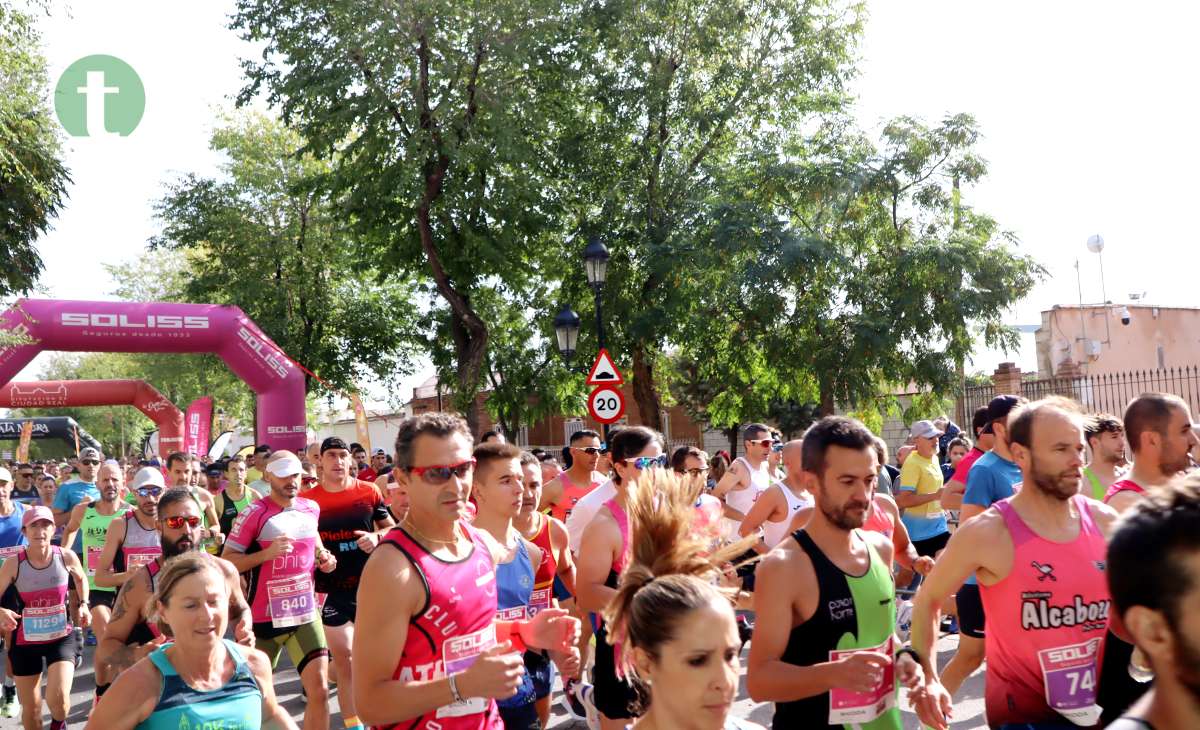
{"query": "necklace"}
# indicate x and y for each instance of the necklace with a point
(452, 542)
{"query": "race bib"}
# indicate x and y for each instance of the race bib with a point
(45, 623)
(93, 559)
(291, 601)
(1070, 676)
(847, 707)
(8, 552)
(458, 654)
(539, 601)
(136, 557)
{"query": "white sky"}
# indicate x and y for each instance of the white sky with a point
(1084, 107)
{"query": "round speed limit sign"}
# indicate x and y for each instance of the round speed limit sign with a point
(606, 404)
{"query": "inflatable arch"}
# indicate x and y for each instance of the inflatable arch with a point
(70, 393)
(52, 427)
(82, 326)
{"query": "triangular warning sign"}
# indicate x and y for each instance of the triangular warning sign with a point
(604, 372)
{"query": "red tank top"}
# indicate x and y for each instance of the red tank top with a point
(1123, 485)
(571, 495)
(453, 627)
(549, 567)
(1046, 625)
(879, 521)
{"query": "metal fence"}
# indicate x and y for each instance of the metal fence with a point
(1108, 393)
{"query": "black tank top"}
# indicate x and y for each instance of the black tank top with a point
(853, 612)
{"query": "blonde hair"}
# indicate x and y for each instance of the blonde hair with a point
(173, 571)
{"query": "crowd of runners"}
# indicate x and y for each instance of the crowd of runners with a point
(458, 583)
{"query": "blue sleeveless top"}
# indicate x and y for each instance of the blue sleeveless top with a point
(514, 590)
(236, 706)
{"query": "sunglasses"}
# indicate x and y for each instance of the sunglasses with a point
(592, 450)
(26, 474)
(777, 447)
(149, 491)
(645, 462)
(179, 521)
(441, 474)
(762, 442)
(89, 462)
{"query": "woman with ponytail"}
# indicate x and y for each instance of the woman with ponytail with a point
(675, 627)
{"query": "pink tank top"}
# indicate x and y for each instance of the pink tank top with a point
(879, 521)
(1046, 625)
(1123, 485)
(622, 519)
(454, 626)
(43, 599)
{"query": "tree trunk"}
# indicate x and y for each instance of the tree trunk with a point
(828, 406)
(732, 433)
(643, 389)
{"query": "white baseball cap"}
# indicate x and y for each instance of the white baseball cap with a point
(148, 476)
(5, 475)
(285, 465)
(925, 430)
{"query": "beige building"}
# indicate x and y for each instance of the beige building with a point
(1109, 339)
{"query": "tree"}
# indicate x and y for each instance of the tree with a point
(439, 116)
(267, 238)
(33, 178)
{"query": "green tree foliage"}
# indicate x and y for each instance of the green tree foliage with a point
(33, 178)
(267, 237)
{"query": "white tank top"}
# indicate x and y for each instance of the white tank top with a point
(743, 500)
(774, 532)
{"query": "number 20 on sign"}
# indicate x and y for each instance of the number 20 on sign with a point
(606, 404)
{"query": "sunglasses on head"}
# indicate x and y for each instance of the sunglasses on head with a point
(776, 447)
(89, 462)
(592, 450)
(645, 462)
(148, 491)
(441, 474)
(179, 521)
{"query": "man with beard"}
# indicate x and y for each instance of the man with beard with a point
(1039, 559)
(180, 470)
(133, 540)
(824, 649)
(1106, 438)
(129, 636)
(71, 493)
(1154, 576)
(94, 518)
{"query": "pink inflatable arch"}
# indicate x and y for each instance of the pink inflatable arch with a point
(79, 326)
(69, 393)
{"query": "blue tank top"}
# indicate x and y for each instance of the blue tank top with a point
(10, 530)
(236, 706)
(514, 590)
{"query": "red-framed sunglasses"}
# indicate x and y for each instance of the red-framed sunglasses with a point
(178, 521)
(441, 474)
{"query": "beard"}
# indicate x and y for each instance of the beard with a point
(171, 548)
(844, 516)
(1055, 484)
(1173, 463)
(1187, 663)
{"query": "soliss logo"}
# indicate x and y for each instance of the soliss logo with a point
(260, 347)
(151, 321)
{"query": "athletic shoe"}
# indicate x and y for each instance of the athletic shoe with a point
(745, 631)
(11, 707)
(586, 695)
(574, 707)
(950, 625)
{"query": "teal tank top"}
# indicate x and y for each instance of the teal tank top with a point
(236, 706)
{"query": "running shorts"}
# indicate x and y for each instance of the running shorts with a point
(930, 546)
(304, 643)
(27, 659)
(102, 598)
(339, 609)
(970, 611)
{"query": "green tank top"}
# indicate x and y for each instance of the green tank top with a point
(1098, 489)
(236, 706)
(94, 529)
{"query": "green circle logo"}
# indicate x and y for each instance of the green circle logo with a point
(99, 96)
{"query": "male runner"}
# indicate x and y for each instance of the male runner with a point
(1106, 439)
(1154, 575)
(275, 542)
(255, 475)
(780, 504)
(1039, 558)
(561, 495)
(353, 519)
(93, 518)
(744, 481)
(920, 492)
(825, 650)
(957, 486)
(429, 652)
(236, 496)
(361, 463)
(133, 540)
(11, 541)
(73, 492)
(1159, 429)
(129, 636)
(179, 472)
(24, 489)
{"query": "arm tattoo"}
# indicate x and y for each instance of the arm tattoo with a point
(121, 606)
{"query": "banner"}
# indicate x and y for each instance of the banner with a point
(360, 423)
(23, 444)
(75, 430)
(198, 423)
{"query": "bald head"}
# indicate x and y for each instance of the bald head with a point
(791, 457)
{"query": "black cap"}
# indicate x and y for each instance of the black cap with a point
(980, 419)
(262, 449)
(333, 442)
(999, 408)
(215, 470)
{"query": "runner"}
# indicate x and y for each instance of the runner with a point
(995, 476)
(429, 652)
(24, 490)
(780, 504)
(920, 492)
(73, 492)
(679, 629)
(1154, 577)
(353, 518)
(11, 541)
(93, 518)
(199, 680)
(129, 637)
(1105, 436)
(275, 542)
(835, 667)
(236, 496)
(40, 573)
(179, 472)
(883, 516)
(1039, 557)
(744, 481)
(1159, 429)
(561, 496)
(957, 486)
(133, 540)
(550, 536)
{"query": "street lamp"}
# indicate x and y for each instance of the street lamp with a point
(566, 330)
(595, 259)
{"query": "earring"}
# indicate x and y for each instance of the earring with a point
(1139, 668)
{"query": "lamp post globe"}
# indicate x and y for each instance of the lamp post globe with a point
(566, 330)
(595, 259)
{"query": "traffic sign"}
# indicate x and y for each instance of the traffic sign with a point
(604, 372)
(606, 404)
